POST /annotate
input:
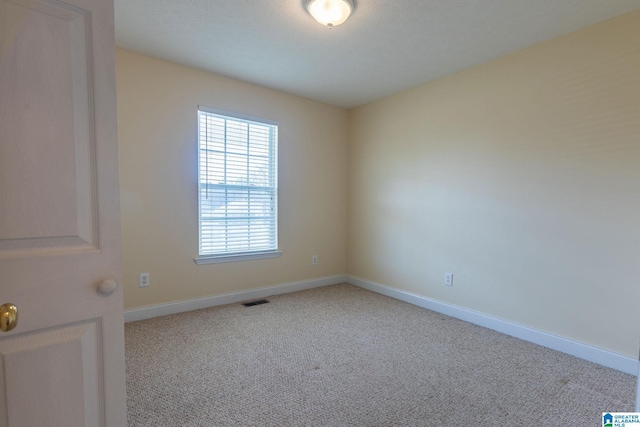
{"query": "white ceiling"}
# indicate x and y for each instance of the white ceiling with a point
(386, 46)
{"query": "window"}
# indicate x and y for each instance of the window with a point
(237, 185)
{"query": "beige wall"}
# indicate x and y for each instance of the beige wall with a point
(157, 105)
(522, 177)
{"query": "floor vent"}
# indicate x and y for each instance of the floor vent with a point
(252, 303)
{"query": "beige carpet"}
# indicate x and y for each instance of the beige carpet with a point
(343, 356)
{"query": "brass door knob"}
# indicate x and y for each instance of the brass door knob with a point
(8, 317)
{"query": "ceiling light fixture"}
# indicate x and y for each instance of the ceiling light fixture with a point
(330, 12)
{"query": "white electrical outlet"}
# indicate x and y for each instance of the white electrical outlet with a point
(314, 260)
(448, 279)
(144, 280)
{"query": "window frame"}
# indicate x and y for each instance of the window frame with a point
(246, 255)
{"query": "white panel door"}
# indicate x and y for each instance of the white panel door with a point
(60, 262)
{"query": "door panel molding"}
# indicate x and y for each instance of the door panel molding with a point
(43, 361)
(46, 78)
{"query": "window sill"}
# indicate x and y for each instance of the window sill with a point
(247, 256)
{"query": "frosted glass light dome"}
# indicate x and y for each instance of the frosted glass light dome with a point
(330, 12)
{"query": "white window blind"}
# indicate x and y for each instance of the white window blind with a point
(237, 185)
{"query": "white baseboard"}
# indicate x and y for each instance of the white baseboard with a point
(584, 351)
(195, 304)
(600, 356)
